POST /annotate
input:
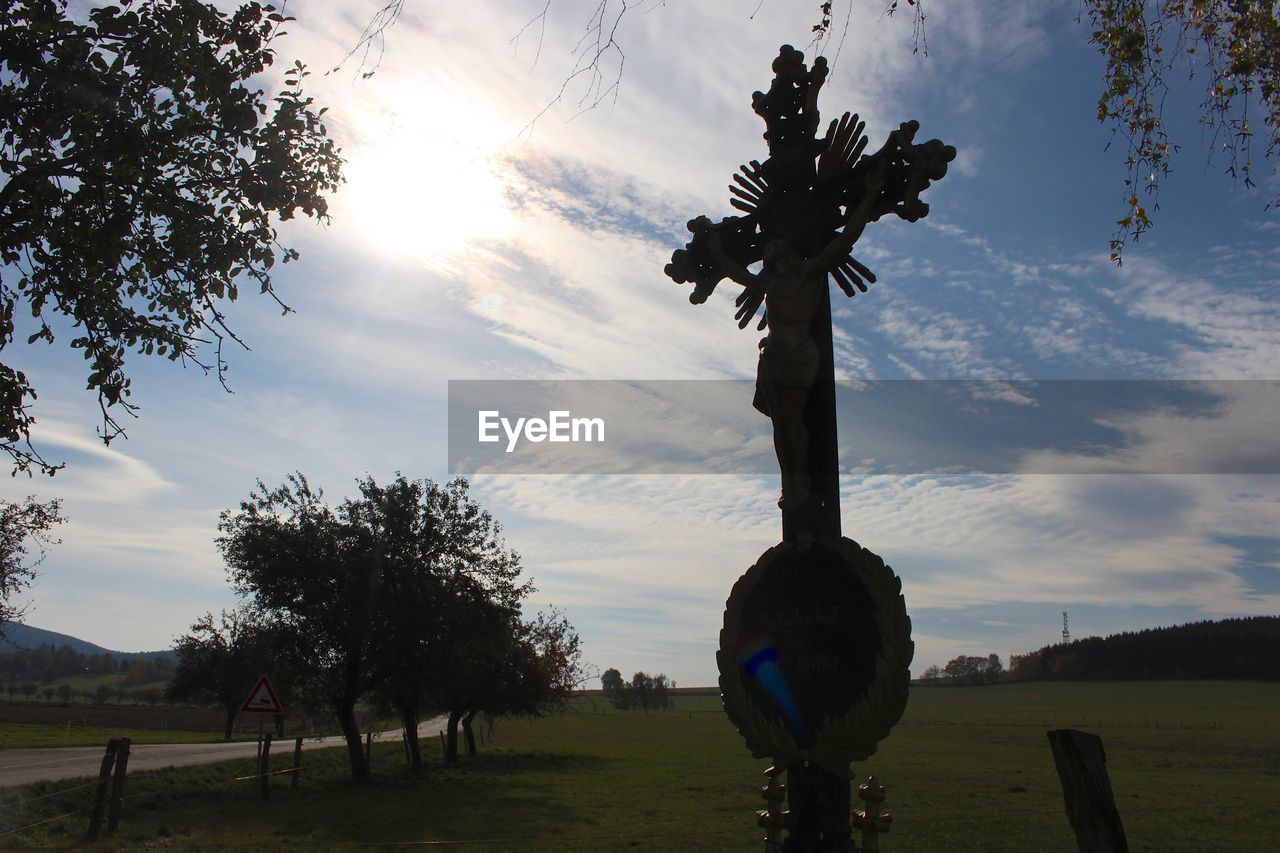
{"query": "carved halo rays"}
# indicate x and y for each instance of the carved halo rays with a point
(751, 189)
(845, 142)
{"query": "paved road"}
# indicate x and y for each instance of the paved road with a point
(24, 766)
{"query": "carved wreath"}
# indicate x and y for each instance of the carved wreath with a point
(849, 737)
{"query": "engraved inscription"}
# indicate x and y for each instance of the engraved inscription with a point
(808, 641)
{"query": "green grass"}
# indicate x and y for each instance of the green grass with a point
(53, 724)
(968, 769)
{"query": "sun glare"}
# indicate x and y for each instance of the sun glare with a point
(422, 187)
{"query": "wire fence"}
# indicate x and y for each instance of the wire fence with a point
(11, 811)
(24, 800)
(30, 826)
(27, 807)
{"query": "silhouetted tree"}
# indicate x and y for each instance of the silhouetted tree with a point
(24, 527)
(144, 671)
(525, 668)
(643, 692)
(47, 662)
(219, 662)
(1026, 666)
(469, 673)
(450, 588)
(317, 577)
(143, 170)
(406, 589)
(962, 667)
(611, 682)
(1227, 648)
(542, 669)
(973, 669)
(994, 668)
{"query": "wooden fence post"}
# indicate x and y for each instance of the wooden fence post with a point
(297, 761)
(368, 752)
(1091, 805)
(264, 765)
(117, 784)
(100, 793)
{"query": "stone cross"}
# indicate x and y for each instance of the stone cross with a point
(801, 212)
(803, 209)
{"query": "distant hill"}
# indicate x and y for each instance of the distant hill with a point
(18, 637)
(1229, 648)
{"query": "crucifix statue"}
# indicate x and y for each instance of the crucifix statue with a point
(815, 651)
(805, 207)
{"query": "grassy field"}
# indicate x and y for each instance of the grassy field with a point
(19, 735)
(1195, 766)
(87, 683)
(41, 724)
(53, 724)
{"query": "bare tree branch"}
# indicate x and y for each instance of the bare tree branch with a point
(372, 43)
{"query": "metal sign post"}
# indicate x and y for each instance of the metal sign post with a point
(262, 700)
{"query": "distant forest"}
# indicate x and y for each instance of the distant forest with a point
(47, 663)
(1230, 648)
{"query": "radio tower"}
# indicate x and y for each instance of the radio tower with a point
(1066, 633)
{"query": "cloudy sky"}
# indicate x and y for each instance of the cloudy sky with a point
(472, 242)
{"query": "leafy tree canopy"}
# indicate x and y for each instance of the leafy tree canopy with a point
(220, 661)
(398, 589)
(643, 692)
(25, 532)
(1231, 46)
(611, 681)
(1228, 648)
(1234, 47)
(143, 170)
(546, 664)
(970, 669)
(315, 576)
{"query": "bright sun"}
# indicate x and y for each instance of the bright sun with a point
(422, 187)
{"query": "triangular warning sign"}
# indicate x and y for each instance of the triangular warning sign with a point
(262, 699)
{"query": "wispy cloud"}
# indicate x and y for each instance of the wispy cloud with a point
(546, 262)
(1223, 334)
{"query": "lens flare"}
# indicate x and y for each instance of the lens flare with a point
(759, 660)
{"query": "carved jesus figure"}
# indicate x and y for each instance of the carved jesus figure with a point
(792, 287)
